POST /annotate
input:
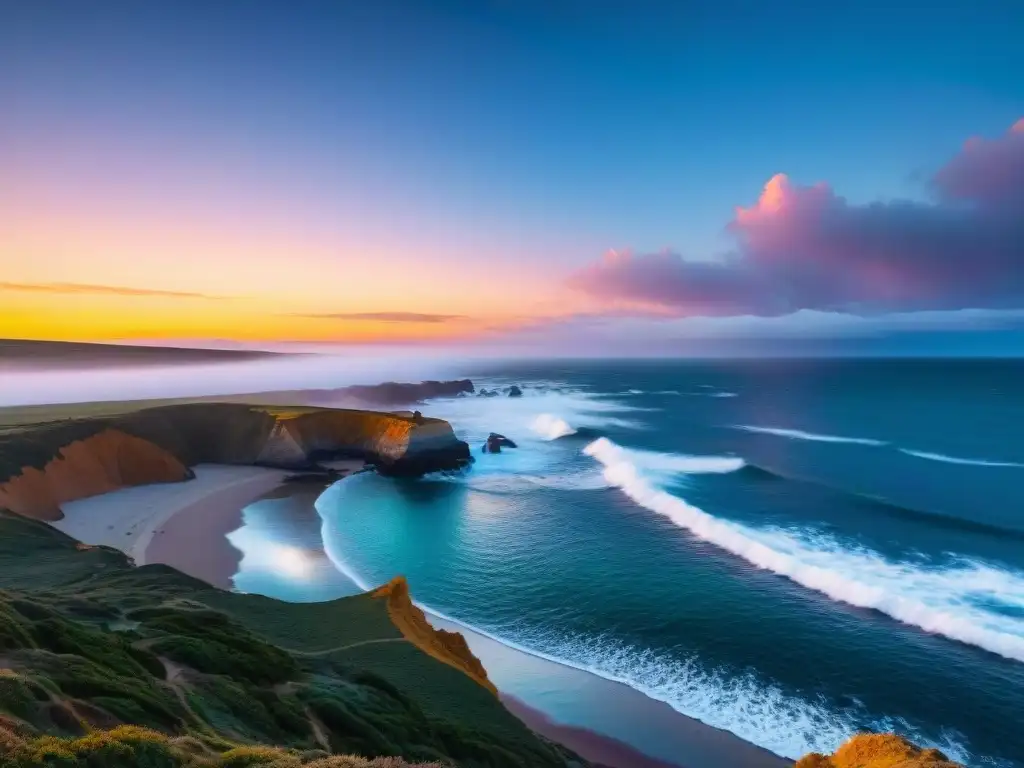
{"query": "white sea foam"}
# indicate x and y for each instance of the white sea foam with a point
(551, 427)
(543, 413)
(948, 601)
(956, 460)
(656, 461)
(797, 434)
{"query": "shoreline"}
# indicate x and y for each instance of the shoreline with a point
(185, 526)
(601, 718)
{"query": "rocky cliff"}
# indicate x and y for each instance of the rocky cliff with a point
(871, 750)
(449, 647)
(44, 465)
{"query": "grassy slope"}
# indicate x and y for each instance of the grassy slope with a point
(87, 641)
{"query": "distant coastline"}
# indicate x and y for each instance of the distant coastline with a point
(24, 354)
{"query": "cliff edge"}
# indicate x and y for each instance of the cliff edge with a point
(44, 465)
(448, 647)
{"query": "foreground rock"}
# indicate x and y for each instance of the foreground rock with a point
(44, 465)
(515, 391)
(871, 750)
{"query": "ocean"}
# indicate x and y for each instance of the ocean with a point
(788, 550)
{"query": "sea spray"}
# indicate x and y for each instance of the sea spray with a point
(788, 556)
(551, 427)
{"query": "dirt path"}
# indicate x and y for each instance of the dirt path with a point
(327, 651)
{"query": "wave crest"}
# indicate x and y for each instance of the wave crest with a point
(956, 460)
(797, 434)
(551, 427)
(937, 601)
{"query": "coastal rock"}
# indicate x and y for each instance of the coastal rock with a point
(495, 442)
(515, 391)
(46, 465)
(486, 393)
(873, 750)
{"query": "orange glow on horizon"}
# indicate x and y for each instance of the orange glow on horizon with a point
(76, 278)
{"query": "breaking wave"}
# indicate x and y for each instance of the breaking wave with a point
(551, 427)
(950, 601)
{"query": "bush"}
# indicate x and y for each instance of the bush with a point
(123, 747)
(243, 757)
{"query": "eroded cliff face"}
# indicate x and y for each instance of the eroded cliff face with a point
(44, 465)
(396, 444)
(869, 750)
(104, 462)
(448, 647)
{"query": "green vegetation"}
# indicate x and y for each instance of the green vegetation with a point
(134, 747)
(104, 665)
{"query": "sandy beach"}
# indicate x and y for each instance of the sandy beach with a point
(185, 525)
(138, 521)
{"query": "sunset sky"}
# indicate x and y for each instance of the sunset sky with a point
(658, 176)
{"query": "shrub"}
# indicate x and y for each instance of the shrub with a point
(242, 757)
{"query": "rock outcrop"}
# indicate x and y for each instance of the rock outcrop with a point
(515, 391)
(495, 442)
(448, 647)
(871, 750)
(44, 465)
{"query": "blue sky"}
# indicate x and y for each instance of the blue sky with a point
(531, 135)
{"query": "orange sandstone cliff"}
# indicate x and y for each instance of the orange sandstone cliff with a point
(870, 750)
(43, 465)
(104, 462)
(449, 647)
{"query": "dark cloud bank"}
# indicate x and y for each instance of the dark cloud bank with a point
(807, 248)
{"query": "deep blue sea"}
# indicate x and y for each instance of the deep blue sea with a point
(788, 550)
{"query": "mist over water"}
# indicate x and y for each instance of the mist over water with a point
(46, 384)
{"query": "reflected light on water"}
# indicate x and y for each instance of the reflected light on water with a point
(290, 561)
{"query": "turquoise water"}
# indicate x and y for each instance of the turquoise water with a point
(788, 551)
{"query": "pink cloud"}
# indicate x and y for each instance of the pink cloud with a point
(987, 172)
(805, 247)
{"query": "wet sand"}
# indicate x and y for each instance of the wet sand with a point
(195, 538)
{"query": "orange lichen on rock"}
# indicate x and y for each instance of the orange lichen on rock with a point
(105, 462)
(871, 750)
(449, 647)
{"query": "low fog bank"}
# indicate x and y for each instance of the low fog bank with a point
(49, 385)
